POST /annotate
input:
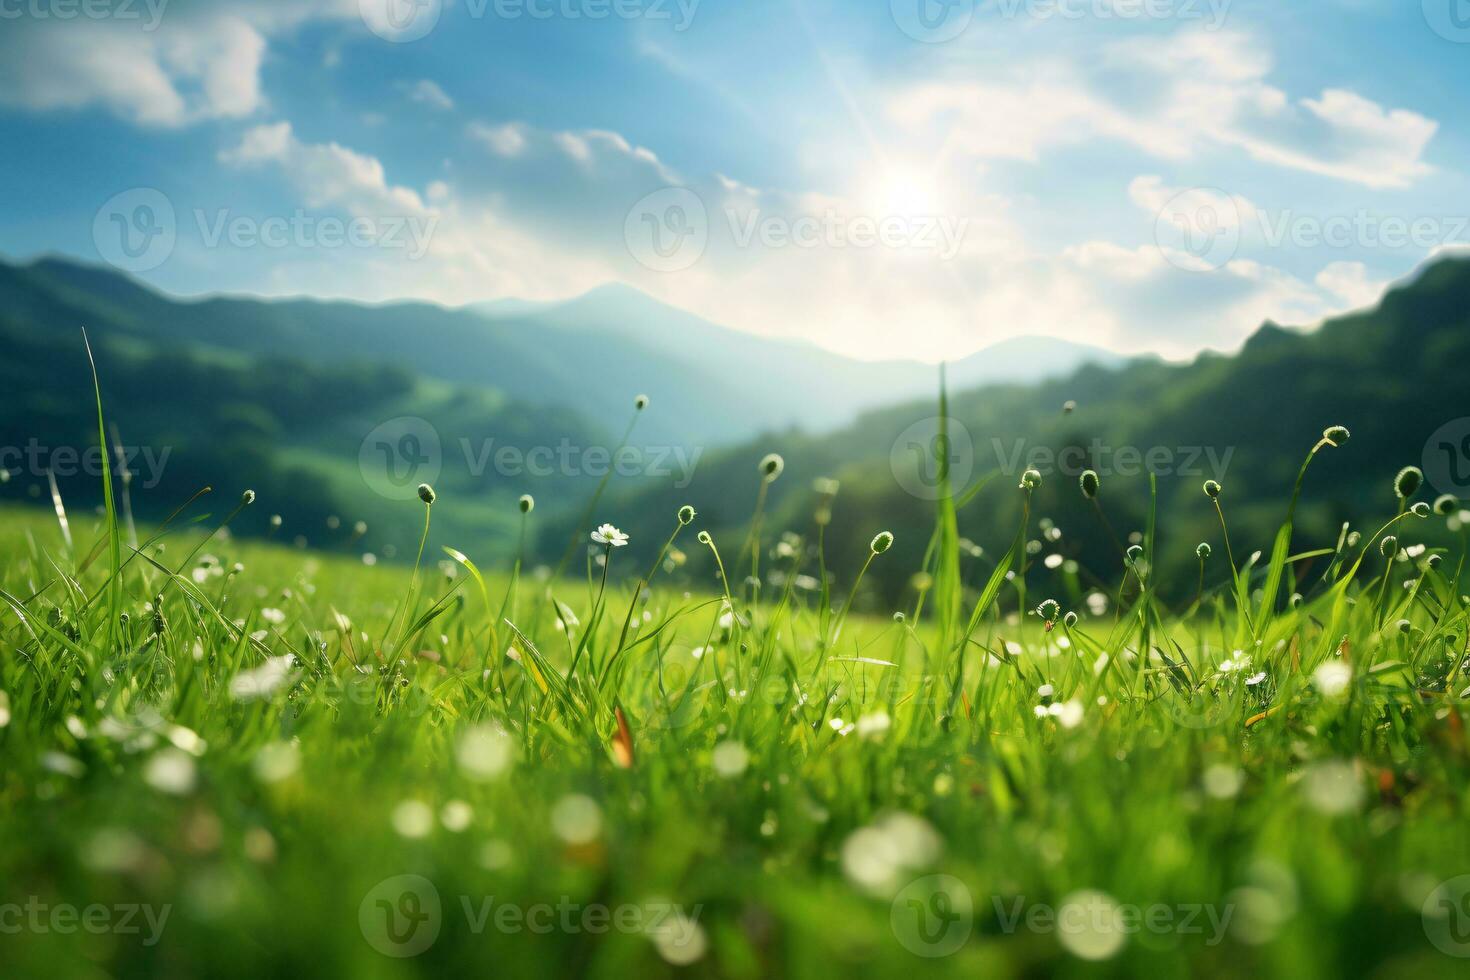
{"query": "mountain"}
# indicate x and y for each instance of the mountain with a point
(710, 384)
(1392, 374)
(781, 383)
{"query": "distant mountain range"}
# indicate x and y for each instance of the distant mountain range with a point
(283, 395)
(591, 354)
(737, 383)
(1393, 374)
(286, 397)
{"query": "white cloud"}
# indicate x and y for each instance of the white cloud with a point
(326, 174)
(182, 66)
(1187, 96)
(427, 92)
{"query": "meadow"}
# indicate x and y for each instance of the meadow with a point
(230, 757)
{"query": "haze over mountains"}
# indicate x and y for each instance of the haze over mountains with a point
(285, 396)
(591, 354)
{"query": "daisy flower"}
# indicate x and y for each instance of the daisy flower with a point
(610, 536)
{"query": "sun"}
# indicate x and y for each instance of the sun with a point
(902, 192)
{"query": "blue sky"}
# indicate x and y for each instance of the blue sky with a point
(885, 178)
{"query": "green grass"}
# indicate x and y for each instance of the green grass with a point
(254, 743)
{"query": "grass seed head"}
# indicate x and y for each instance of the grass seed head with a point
(1212, 489)
(1030, 480)
(527, 503)
(426, 493)
(1421, 509)
(1389, 546)
(771, 466)
(1090, 483)
(641, 402)
(686, 515)
(1408, 482)
(247, 498)
(882, 541)
(1203, 551)
(1446, 504)
(1336, 435)
(1049, 610)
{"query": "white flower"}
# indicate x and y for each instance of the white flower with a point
(1255, 679)
(1332, 678)
(610, 536)
(261, 682)
(1238, 661)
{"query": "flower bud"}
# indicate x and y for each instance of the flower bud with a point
(1408, 482)
(1089, 483)
(1212, 489)
(426, 493)
(527, 503)
(882, 541)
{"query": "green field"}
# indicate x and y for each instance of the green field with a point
(233, 758)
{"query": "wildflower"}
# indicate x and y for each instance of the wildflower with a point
(1212, 489)
(247, 498)
(686, 515)
(882, 541)
(1049, 611)
(1203, 551)
(426, 493)
(1030, 480)
(1421, 509)
(771, 466)
(1389, 546)
(171, 771)
(576, 819)
(610, 536)
(1407, 483)
(1336, 435)
(413, 819)
(874, 725)
(730, 759)
(641, 402)
(1089, 483)
(1332, 678)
